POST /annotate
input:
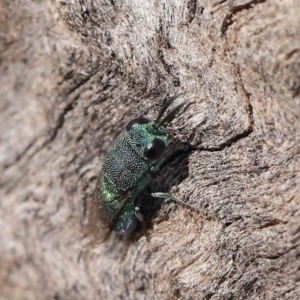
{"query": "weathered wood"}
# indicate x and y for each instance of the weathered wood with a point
(73, 73)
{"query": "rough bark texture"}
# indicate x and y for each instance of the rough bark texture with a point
(74, 72)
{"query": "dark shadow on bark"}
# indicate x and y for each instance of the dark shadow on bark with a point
(174, 170)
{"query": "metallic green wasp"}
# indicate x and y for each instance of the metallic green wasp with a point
(126, 170)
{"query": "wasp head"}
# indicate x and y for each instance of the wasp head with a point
(148, 138)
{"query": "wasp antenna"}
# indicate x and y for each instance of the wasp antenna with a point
(170, 116)
(165, 107)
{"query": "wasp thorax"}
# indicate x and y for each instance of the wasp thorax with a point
(155, 150)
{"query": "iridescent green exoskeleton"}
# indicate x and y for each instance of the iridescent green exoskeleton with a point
(127, 167)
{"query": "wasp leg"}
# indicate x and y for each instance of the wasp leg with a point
(167, 195)
(137, 213)
(140, 217)
(156, 167)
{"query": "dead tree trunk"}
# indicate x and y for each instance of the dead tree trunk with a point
(73, 73)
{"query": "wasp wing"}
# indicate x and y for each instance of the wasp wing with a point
(104, 214)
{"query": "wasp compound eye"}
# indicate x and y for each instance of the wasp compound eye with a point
(155, 150)
(137, 121)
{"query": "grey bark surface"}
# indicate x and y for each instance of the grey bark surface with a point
(73, 73)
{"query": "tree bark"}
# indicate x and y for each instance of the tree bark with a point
(73, 73)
